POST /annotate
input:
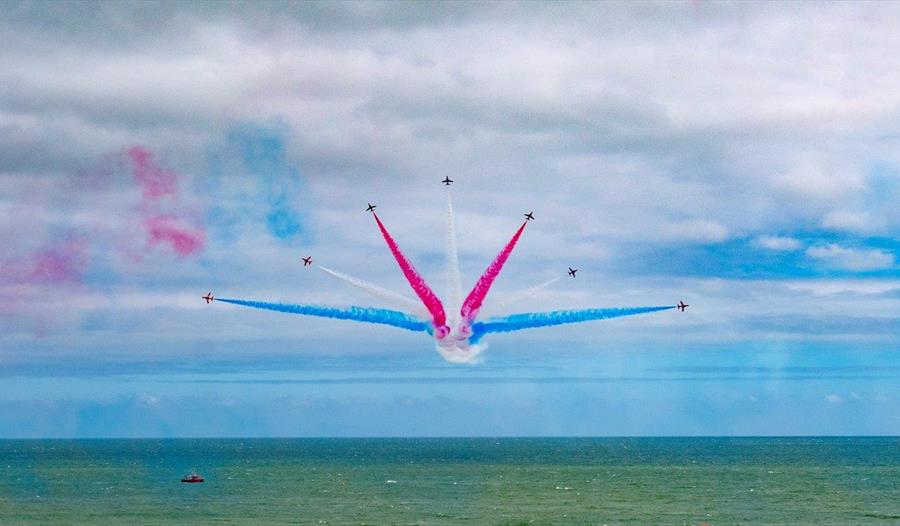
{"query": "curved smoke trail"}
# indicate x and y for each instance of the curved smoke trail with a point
(363, 314)
(522, 294)
(530, 320)
(454, 287)
(396, 299)
(475, 298)
(422, 290)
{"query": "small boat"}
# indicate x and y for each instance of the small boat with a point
(192, 478)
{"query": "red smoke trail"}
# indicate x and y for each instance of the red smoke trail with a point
(165, 229)
(155, 181)
(56, 263)
(431, 301)
(157, 184)
(472, 304)
(64, 262)
(60, 263)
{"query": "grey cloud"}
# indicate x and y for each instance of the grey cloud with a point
(95, 22)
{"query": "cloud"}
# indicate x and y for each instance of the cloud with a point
(148, 399)
(778, 242)
(694, 230)
(833, 398)
(826, 287)
(259, 153)
(825, 324)
(814, 177)
(651, 160)
(58, 265)
(859, 260)
(60, 262)
(860, 222)
(87, 229)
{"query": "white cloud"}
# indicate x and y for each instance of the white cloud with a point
(837, 256)
(818, 178)
(859, 222)
(833, 399)
(778, 242)
(694, 230)
(823, 287)
(148, 399)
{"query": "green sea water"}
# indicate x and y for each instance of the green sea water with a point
(717, 481)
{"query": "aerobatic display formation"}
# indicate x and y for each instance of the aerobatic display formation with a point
(453, 322)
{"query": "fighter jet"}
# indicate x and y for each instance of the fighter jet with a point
(529, 216)
(307, 261)
(572, 271)
(370, 208)
(447, 181)
(681, 306)
(209, 297)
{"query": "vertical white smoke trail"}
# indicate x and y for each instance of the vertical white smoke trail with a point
(395, 299)
(454, 287)
(498, 307)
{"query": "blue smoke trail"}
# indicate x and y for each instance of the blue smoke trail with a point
(264, 154)
(530, 320)
(364, 314)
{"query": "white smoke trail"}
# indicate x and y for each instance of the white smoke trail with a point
(502, 304)
(468, 354)
(454, 287)
(394, 298)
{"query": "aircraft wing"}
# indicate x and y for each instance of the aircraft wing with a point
(393, 318)
(532, 320)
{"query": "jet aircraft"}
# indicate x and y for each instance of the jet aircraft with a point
(529, 216)
(307, 261)
(370, 208)
(208, 297)
(682, 305)
(447, 181)
(572, 271)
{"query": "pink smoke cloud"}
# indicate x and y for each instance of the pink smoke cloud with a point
(58, 263)
(55, 263)
(159, 197)
(63, 262)
(155, 181)
(34, 271)
(166, 230)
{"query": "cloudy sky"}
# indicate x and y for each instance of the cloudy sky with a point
(741, 157)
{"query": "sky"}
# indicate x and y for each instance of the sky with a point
(741, 157)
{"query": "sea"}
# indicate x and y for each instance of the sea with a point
(508, 481)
